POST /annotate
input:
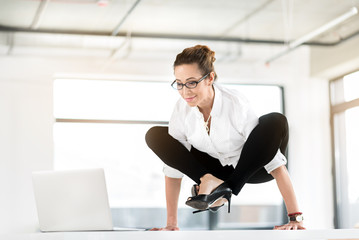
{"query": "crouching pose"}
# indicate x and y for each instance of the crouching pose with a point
(216, 140)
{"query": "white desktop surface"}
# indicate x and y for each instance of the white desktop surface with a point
(200, 235)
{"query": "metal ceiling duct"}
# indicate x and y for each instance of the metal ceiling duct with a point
(294, 44)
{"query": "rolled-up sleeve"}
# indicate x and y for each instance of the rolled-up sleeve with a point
(171, 172)
(278, 160)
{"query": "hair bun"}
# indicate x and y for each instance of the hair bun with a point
(199, 54)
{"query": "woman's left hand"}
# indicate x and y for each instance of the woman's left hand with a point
(290, 226)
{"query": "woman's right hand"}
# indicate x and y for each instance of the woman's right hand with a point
(168, 228)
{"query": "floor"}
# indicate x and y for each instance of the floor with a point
(330, 234)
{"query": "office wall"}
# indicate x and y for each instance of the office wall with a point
(25, 145)
(333, 62)
(26, 122)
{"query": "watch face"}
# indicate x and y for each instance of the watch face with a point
(299, 218)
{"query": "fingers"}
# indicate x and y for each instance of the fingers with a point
(155, 229)
(165, 229)
(281, 227)
(278, 227)
(289, 227)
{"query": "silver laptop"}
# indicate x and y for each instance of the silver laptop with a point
(74, 200)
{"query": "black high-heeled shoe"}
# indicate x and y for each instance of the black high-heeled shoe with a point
(194, 192)
(203, 202)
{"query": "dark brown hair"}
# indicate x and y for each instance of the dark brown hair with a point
(200, 54)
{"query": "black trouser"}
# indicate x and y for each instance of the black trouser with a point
(266, 138)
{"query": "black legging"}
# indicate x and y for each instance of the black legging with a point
(266, 138)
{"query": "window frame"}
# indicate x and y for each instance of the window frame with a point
(339, 169)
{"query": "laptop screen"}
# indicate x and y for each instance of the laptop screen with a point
(74, 200)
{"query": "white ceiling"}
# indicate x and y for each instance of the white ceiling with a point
(251, 20)
(140, 29)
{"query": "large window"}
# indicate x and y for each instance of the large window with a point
(101, 123)
(345, 125)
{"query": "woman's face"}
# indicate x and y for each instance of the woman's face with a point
(202, 93)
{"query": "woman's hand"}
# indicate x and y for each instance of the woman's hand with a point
(168, 228)
(290, 226)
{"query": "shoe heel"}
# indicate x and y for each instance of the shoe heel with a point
(229, 202)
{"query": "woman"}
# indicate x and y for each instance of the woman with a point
(216, 140)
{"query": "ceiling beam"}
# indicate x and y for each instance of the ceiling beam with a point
(170, 36)
(117, 28)
(39, 13)
(302, 40)
(246, 18)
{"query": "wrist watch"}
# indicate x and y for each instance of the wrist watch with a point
(296, 218)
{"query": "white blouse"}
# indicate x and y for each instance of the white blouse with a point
(232, 120)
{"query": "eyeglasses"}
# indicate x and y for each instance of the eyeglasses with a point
(190, 85)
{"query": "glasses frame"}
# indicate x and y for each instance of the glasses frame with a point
(185, 84)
